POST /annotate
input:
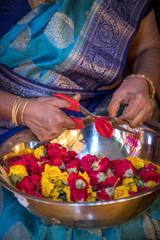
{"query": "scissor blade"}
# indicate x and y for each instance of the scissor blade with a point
(122, 128)
(85, 111)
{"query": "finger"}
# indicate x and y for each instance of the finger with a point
(131, 110)
(77, 97)
(114, 105)
(138, 120)
(60, 102)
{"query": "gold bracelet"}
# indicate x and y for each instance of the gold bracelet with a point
(14, 116)
(22, 113)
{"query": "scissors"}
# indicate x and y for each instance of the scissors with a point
(89, 117)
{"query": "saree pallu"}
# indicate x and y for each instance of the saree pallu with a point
(90, 54)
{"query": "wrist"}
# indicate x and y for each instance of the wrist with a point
(18, 109)
(148, 81)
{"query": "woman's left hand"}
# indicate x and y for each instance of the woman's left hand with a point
(134, 93)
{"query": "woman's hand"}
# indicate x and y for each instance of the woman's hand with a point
(45, 119)
(134, 92)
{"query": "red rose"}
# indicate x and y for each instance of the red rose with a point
(106, 193)
(28, 156)
(87, 162)
(110, 182)
(77, 182)
(72, 154)
(28, 184)
(112, 164)
(149, 175)
(79, 195)
(57, 162)
(72, 166)
(142, 189)
(9, 161)
(132, 193)
(104, 127)
(33, 166)
(109, 172)
(53, 150)
(125, 169)
(43, 159)
(25, 185)
(36, 194)
(96, 178)
(20, 162)
(103, 164)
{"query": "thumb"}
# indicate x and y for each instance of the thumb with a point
(77, 97)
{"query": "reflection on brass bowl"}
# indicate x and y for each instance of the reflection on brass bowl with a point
(144, 143)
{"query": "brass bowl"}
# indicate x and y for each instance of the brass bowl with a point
(144, 143)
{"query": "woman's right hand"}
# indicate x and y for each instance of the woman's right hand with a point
(45, 118)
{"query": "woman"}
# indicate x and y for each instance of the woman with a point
(76, 47)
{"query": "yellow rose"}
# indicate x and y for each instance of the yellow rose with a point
(151, 184)
(54, 195)
(68, 192)
(19, 170)
(92, 198)
(52, 172)
(136, 161)
(64, 177)
(129, 183)
(133, 187)
(46, 186)
(121, 192)
(40, 152)
(126, 181)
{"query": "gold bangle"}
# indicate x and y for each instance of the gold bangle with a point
(14, 110)
(22, 113)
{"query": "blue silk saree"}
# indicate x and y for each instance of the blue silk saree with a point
(70, 46)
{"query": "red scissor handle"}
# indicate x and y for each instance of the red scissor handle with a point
(75, 106)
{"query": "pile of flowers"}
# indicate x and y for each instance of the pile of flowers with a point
(52, 172)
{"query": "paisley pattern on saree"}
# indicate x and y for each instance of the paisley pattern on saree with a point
(28, 68)
(60, 30)
(22, 40)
